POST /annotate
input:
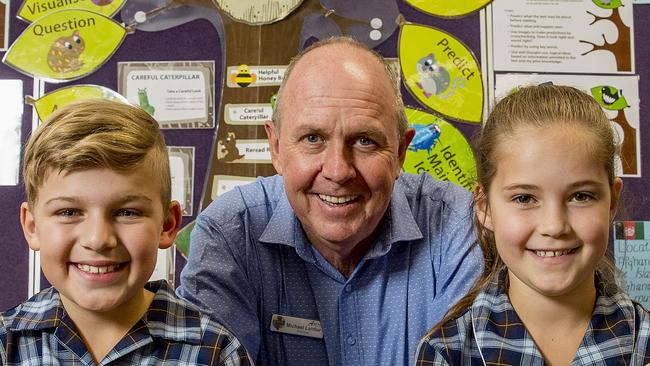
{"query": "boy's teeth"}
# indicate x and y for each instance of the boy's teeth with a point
(336, 200)
(97, 269)
(551, 253)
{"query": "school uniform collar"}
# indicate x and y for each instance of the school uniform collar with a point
(497, 326)
(168, 317)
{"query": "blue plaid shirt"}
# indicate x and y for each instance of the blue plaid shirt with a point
(491, 333)
(172, 332)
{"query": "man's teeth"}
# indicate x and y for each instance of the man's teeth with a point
(336, 200)
(98, 269)
(552, 253)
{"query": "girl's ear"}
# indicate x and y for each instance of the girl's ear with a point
(617, 188)
(482, 207)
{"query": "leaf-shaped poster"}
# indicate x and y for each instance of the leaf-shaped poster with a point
(439, 149)
(34, 9)
(65, 45)
(56, 99)
(454, 8)
(257, 12)
(441, 72)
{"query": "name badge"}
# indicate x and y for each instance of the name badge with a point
(296, 326)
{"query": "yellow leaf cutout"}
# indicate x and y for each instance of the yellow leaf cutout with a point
(454, 8)
(56, 99)
(439, 149)
(441, 72)
(65, 45)
(31, 10)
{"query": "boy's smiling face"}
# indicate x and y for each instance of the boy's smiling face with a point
(98, 232)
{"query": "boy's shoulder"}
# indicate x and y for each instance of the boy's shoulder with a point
(39, 312)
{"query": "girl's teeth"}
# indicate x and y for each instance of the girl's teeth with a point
(551, 253)
(97, 269)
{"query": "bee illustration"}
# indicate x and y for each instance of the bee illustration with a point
(243, 77)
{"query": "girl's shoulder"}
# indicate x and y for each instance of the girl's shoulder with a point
(448, 342)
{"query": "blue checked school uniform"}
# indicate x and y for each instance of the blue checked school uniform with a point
(172, 332)
(491, 333)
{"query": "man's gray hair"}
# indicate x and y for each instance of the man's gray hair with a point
(393, 76)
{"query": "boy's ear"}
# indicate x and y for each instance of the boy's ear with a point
(274, 145)
(482, 207)
(28, 223)
(171, 225)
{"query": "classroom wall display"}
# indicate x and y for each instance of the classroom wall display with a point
(617, 94)
(65, 45)
(177, 94)
(56, 99)
(181, 166)
(30, 10)
(11, 105)
(632, 256)
(4, 24)
(169, 31)
(563, 36)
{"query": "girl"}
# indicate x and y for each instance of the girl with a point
(545, 199)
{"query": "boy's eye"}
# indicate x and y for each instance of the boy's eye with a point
(67, 212)
(582, 197)
(128, 213)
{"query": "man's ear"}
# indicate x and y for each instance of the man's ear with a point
(403, 146)
(171, 225)
(28, 224)
(274, 145)
(482, 207)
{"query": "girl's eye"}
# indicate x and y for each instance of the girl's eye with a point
(523, 199)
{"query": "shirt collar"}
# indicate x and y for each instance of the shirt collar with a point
(398, 224)
(168, 317)
(493, 316)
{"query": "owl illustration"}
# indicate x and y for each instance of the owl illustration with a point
(64, 53)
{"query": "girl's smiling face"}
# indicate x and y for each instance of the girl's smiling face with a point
(550, 206)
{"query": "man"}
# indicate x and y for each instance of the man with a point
(340, 259)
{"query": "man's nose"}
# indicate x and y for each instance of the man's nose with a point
(98, 233)
(338, 163)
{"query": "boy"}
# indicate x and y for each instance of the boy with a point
(98, 208)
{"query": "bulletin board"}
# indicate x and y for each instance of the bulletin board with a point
(205, 46)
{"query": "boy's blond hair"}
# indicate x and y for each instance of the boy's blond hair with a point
(96, 134)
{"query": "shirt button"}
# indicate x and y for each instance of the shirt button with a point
(351, 340)
(348, 288)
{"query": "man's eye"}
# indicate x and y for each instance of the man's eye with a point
(312, 139)
(365, 141)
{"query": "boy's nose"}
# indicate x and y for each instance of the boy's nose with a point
(98, 234)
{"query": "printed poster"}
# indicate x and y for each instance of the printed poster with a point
(11, 105)
(563, 36)
(617, 94)
(177, 94)
(632, 255)
(181, 165)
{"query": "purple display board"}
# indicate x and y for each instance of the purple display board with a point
(198, 40)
